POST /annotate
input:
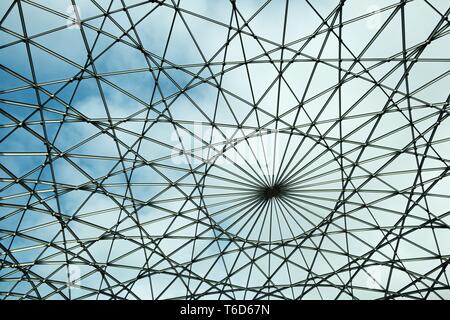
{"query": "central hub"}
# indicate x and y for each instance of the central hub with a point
(273, 191)
(275, 202)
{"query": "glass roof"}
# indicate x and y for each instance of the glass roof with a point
(247, 149)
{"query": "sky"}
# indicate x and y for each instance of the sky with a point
(196, 118)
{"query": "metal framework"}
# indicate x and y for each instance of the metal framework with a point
(187, 149)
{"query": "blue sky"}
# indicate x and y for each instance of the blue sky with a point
(92, 210)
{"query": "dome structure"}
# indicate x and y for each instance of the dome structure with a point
(194, 149)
